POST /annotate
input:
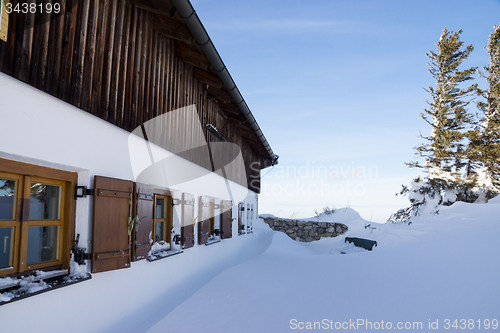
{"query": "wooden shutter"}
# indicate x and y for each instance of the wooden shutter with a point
(241, 209)
(251, 217)
(4, 21)
(143, 212)
(204, 224)
(211, 230)
(187, 227)
(226, 218)
(110, 237)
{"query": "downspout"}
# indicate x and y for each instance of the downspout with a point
(187, 12)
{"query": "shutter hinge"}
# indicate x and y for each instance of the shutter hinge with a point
(177, 239)
(79, 255)
(82, 192)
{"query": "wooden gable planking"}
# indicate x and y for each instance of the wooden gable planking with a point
(118, 61)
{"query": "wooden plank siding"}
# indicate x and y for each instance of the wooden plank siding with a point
(127, 65)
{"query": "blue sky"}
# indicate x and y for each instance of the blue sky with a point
(337, 88)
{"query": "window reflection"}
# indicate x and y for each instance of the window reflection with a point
(160, 208)
(44, 202)
(6, 235)
(7, 199)
(42, 244)
(160, 231)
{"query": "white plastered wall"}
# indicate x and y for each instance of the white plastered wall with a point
(43, 130)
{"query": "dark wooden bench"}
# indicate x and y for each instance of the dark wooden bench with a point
(366, 244)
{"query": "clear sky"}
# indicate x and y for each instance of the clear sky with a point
(337, 88)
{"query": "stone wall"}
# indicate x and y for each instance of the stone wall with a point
(303, 231)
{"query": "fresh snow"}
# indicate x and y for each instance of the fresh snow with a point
(442, 266)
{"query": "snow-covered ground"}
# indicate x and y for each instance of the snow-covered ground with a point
(442, 267)
(439, 269)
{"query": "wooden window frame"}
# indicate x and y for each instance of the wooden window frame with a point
(15, 222)
(168, 219)
(66, 222)
(28, 180)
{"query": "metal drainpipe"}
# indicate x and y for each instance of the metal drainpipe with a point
(188, 14)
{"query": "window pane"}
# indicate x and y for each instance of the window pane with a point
(6, 235)
(160, 231)
(44, 201)
(7, 199)
(42, 244)
(160, 208)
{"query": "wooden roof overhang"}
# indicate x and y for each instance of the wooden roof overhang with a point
(168, 23)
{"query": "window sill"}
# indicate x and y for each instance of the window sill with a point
(163, 255)
(212, 241)
(17, 289)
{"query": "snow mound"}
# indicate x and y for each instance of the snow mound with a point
(341, 215)
(284, 245)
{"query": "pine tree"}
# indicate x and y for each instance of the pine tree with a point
(484, 151)
(445, 149)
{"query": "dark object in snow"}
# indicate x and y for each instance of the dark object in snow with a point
(366, 244)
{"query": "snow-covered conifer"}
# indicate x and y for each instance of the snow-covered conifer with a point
(484, 150)
(445, 148)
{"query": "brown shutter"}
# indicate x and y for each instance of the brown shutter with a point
(226, 218)
(187, 228)
(143, 213)
(211, 230)
(110, 238)
(204, 224)
(241, 209)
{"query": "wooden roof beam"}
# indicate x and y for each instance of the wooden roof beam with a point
(190, 56)
(254, 143)
(207, 78)
(161, 7)
(172, 29)
(235, 118)
(221, 94)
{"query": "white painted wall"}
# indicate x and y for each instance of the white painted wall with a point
(40, 129)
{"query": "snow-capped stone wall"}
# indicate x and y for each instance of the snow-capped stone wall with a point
(306, 231)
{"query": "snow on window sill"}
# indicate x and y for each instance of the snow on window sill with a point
(163, 254)
(212, 241)
(14, 289)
